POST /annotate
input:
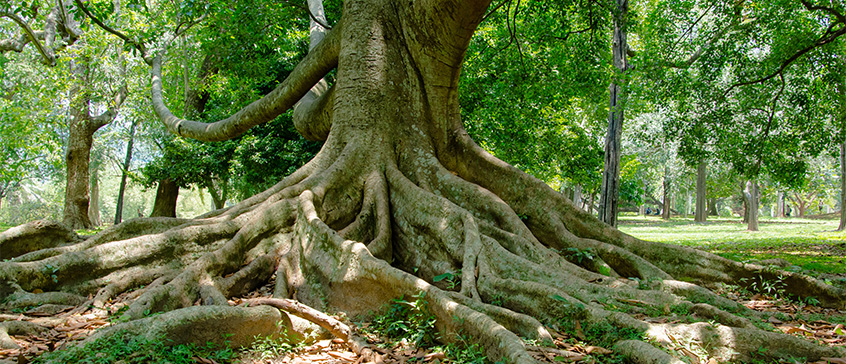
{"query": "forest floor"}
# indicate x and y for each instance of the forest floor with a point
(806, 245)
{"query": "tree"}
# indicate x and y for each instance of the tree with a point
(125, 173)
(610, 190)
(400, 194)
(61, 31)
(701, 214)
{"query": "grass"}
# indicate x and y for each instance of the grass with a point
(127, 349)
(809, 244)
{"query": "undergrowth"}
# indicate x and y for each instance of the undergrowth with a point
(411, 322)
(125, 348)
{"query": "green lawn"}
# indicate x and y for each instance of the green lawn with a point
(810, 244)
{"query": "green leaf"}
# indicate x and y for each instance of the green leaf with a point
(559, 298)
(441, 277)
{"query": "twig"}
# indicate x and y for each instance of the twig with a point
(337, 328)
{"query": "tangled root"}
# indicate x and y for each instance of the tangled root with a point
(350, 242)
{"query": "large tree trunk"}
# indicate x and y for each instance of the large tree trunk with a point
(712, 207)
(82, 127)
(166, 194)
(124, 173)
(751, 198)
(610, 189)
(77, 158)
(400, 194)
(701, 214)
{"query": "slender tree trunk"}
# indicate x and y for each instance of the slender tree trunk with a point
(577, 195)
(666, 213)
(166, 194)
(780, 204)
(125, 173)
(751, 198)
(610, 190)
(800, 203)
(701, 214)
(591, 203)
(217, 193)
(688, 204)
(842, 186)
(94, 205)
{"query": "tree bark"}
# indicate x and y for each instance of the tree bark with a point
(712, 207)
(842, 186)
(218, 193)
(77, 157)
(701, 214)
(94, 205)
(82, 127)
(751, 197)
(610, 189)
(577, 196)
(780, 204)
(166, 194)
(665, 214)
(127, 161)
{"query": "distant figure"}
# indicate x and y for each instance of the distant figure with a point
(140, 213)
(820, 207)
(648, 211)
(657, 212)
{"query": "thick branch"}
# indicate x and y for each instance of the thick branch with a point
(828, 37)
(138, 45)
(314, 66)
(699, 52)
(47, 54)
(110, 114)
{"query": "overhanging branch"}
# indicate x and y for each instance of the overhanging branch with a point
(314, 66)
(829, 36)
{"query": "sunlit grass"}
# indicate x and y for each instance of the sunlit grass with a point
(809, 244)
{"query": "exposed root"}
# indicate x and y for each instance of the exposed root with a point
(331, 237)
(35, 235)
(337, 328)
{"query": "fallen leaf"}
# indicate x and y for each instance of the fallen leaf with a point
(437, 355)
(596, 350)
(839, 330)
(694, 359)
(835, 360)
(774, 320)
(579, 333)
(712, 361)
(793, 330)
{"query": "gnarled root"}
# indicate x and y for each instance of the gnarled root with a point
(351, 242)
